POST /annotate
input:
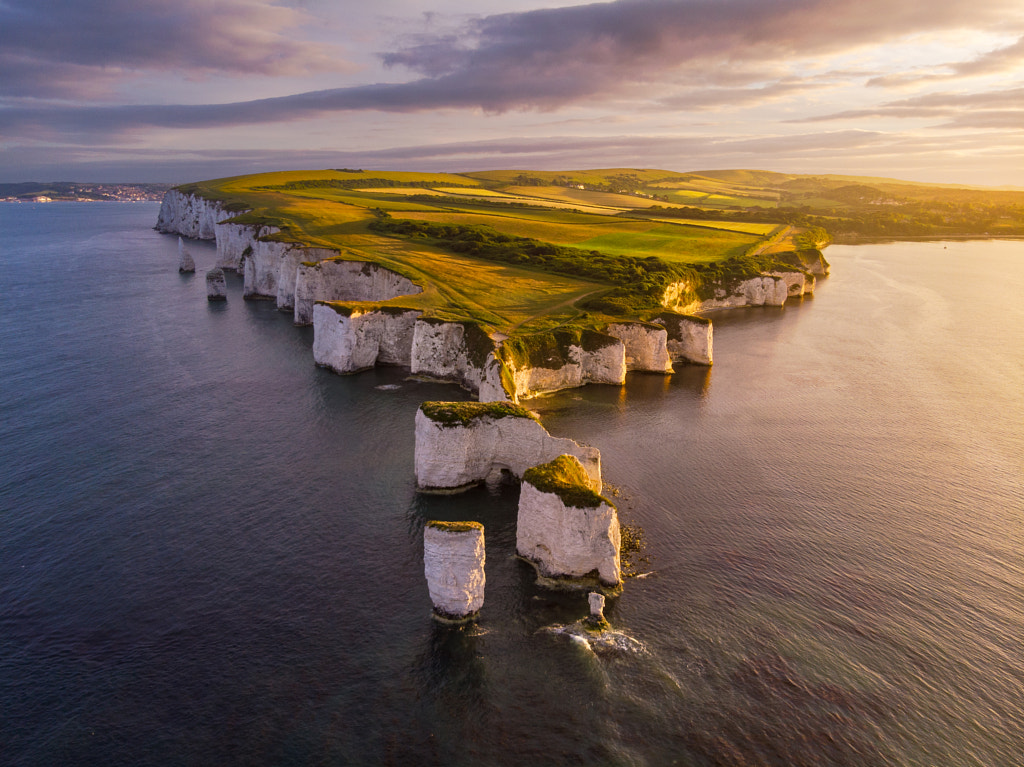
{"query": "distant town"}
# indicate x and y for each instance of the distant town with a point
(67, 191)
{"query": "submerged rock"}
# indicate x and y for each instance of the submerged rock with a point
(453, 562)
(185, 262)
(216, 285)
(606, 642)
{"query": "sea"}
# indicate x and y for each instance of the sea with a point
(211, 551)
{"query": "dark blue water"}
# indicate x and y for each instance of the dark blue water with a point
(211, 550)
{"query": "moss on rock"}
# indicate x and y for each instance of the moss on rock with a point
(550, 349)
(566, 478)
(449, 414)
(463, 526)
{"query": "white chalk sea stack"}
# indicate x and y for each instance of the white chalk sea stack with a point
(453, 562)
(459, 444)
(569, 532)
(216, 285)
(186, 264)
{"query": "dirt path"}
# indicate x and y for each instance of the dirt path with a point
(773, 240)
(555, 308)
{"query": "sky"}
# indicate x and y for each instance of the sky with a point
(183, 90)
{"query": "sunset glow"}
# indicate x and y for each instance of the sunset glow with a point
(104, 90)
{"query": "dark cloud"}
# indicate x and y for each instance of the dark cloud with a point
(73, 38)
(545, 57)
(540, 59)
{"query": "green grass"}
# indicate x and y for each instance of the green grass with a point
(566, 478)
(454, 414)
(455, 527)
(568, 257)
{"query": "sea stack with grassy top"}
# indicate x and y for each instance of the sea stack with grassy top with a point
(566, 530)
(460, 444)
(453, 562)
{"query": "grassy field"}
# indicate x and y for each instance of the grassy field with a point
(523, 250)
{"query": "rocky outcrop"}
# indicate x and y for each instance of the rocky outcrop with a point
(569, 532)
(459, 444)
(216, 285)
(453, 562)
(337, 280)
(347, 339)
(190, 215)
(186, 264)
(646, 346)
(562, 359)
(689, 338)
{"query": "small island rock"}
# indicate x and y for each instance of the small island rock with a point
(453, 562)
(185, 262)
(216, 285)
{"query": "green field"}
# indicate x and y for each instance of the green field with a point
(527, 250)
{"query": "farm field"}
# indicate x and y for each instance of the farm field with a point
(536, 249)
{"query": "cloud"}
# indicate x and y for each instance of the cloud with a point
(698, 99)
(1001, 60)
(936, 105)
(68, 37)
(542, 59)
(978, 159)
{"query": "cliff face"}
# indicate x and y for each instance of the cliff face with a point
(349, 341)
(569, 536)
(336, 280)
(689, 339)
(189, 215)
(547, 362)
(458, 352)
(770, 289)
(450, 456)
(646, 347)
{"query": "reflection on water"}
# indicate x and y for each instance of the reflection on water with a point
(212, 549)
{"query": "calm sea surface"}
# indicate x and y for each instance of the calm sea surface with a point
(211, 550)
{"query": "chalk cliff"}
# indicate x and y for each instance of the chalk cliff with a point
(333, 279)
(453, 562)
(561, 359)
(689, 339)
(646, 346)
(190, 215)
(347, 339)
(459, 444)
(569, 532)
(458, 352)
(768, 289)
